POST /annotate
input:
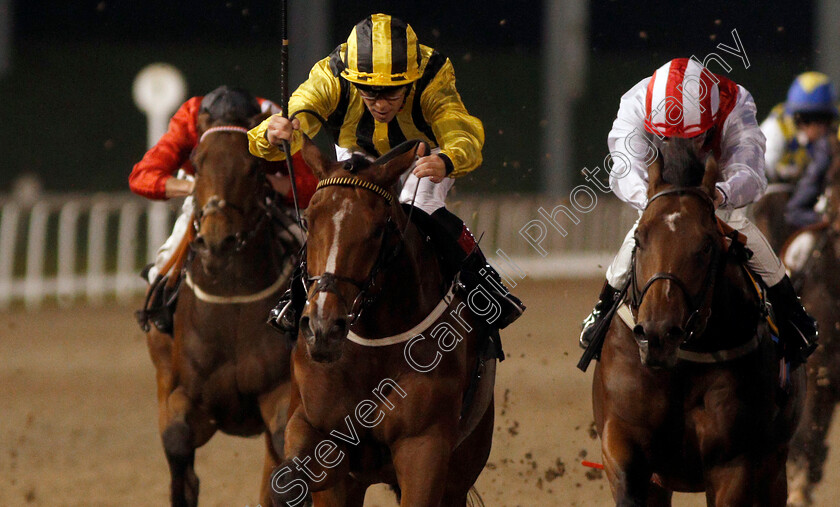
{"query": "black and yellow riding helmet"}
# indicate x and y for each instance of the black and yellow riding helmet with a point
(381, 51)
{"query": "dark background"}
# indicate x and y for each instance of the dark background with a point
(68, 115)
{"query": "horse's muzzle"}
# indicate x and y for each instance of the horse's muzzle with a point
(324, 337)
(658, 343)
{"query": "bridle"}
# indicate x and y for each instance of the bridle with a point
(217, 205)
(328, 282)
(700, 304)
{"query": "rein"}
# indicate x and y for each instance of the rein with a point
(700, 304)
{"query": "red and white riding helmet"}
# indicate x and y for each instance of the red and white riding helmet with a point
(683, 99)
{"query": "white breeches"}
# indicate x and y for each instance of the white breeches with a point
(764, 261)
(165, 251)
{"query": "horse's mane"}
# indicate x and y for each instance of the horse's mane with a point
(680, 165)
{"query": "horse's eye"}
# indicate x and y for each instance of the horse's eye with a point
(707, 248)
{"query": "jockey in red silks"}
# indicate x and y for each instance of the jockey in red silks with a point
(684, 99)
(154, 176)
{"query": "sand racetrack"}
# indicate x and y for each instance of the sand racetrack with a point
(78, 416)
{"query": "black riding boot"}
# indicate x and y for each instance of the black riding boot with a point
(461, 252)
(285, 317)
(591, 324)
(798, 330)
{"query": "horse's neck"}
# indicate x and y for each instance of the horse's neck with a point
(410, 288)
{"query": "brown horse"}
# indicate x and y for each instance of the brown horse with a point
(384, 373)
(224, 369)
(819, 280)
(769, 214)
(687, 398)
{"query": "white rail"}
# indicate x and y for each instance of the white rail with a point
(68, 248)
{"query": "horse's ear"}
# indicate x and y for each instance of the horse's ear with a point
(655, 174)
(711, 176)
(257, 119)
(315, 158)
(388, 174)
(203, 123)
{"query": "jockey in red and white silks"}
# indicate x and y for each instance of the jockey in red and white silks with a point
(738, 145)
(684, 99)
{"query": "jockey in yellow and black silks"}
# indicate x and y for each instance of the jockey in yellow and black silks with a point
(377, 90)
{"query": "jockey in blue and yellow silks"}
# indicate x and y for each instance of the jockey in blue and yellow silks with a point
(799, 135)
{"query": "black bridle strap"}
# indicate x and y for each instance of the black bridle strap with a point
(697, 301)
(214, 204)
(328, 282)
(695, 191)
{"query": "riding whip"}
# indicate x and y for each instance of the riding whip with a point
(284, 102)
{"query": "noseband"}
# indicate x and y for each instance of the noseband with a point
(328, 282)
(701, 310)
(217, 205)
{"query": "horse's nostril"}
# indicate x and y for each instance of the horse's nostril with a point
(304, 326)
(200, 242)
(639, 331)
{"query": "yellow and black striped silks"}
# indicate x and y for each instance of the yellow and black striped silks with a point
(381, 51)
(433, 111)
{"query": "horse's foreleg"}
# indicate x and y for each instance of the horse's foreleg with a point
(421, 463)
(749, 480)
(314, 462)
(627, 470)
(274, 407)
(181, 435)
(808, 450)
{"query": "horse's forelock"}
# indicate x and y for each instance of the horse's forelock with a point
(681, 166)
(357, 163)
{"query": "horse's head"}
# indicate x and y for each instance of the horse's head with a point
(676, 255)
(354, 221)
(230, 187)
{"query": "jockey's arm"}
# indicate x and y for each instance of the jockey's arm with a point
(320, 93)
(742, 155)
(799, 211)
(459, 134)
(153, 177)
(631, 148)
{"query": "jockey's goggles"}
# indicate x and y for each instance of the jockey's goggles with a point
(815, 117)
(389, 93)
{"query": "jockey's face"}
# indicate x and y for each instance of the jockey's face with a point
(814, 130)
(814, 126)
(384, 105)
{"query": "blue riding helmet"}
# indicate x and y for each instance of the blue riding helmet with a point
(811, 92)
